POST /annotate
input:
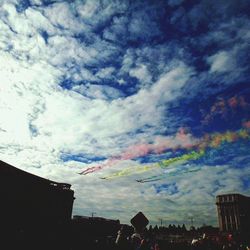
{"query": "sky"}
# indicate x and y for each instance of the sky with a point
(140, 105)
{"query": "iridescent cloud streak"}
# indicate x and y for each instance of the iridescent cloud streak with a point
(163, 175)
(182, 140)
(162, 164)
(209, 141)
(225, 107)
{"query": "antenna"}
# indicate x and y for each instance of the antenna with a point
(160, 221)
(192, 221)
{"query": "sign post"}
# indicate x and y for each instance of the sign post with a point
(139, 221)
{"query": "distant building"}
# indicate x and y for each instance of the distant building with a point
(89, 232)
(33, 210)
(95, 226)
(233, 213)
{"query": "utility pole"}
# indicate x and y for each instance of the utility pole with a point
(192, 221)
(161, 221)
(92, 214)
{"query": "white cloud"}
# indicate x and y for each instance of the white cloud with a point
(40, 120)
(141, 73)
(105, 73)
(97, 13)
(39, 21)
(195, 196)
(88, 9)
(117, 30)
(65, 120)
(98, 91)
(231, 62)
(128, 61)
(129, 114)
(221, 62)
(62, 16)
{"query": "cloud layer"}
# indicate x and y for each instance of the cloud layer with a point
(116, 85)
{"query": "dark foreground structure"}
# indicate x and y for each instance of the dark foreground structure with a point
(234, 213)
(93, 233)
(35, 213)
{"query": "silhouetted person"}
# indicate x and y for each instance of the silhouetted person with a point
(122, 242)
(136, 241)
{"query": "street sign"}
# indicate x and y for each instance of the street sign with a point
(139, 221)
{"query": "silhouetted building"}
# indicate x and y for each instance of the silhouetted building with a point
(34, 212)
(98, 226)
(93, 232)
(233, 213)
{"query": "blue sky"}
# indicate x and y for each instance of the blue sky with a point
(134, 90)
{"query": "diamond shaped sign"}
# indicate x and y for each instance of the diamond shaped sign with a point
(139, 221)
